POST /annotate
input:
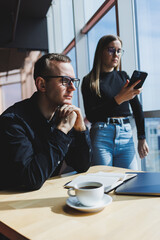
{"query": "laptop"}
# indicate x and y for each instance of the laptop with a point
(145, 183)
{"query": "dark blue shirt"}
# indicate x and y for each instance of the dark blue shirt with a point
(32, 148)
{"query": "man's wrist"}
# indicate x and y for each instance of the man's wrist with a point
(63, 129)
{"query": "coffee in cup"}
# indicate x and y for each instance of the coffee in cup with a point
(88, 193)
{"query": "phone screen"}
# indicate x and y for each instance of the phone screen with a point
(138, 75)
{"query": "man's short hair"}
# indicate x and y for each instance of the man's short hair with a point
(42, 68)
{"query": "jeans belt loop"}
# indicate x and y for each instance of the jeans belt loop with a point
(121, 121)
(108, 121)
(114, 121)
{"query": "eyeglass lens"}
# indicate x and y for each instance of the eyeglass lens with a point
(113, 51)
(66, 81)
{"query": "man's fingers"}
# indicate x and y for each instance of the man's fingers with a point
(66, 110)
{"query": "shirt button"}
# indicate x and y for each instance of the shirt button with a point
(68, 145)
(59, 162)
(89, 150)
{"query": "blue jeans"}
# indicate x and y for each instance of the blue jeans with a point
(113, 145)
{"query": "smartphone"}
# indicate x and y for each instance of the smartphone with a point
(138, 75)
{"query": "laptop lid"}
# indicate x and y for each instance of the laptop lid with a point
(145, 183)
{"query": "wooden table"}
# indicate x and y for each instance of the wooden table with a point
(43, 214)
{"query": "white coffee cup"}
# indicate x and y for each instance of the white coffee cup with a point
(88, 193)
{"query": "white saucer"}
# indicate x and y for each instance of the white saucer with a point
(74, 203)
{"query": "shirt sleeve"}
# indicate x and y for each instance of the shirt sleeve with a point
(139, 117)
(29, 160)
(80, 151)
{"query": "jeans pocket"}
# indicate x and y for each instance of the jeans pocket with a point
(127, 127)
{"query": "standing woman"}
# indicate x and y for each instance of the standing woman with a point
(107, 97)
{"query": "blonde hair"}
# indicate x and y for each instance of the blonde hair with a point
(95, 72)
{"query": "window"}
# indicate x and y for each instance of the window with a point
(72, 55)
(67, 22)
(90, 7)
(152, 161)
(148, 45)
(149, 51)
(96, 18)
(10, 94)
(10, 88)
(107, 25)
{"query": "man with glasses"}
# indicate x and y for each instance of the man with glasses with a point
(39, 134)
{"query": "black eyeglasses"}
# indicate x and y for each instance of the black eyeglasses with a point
(66, 81)
(112, 51)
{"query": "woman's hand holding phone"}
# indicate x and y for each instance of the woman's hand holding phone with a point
(137, 75)
(127, 93)
(132, 87)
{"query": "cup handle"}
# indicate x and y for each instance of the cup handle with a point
(69, 192)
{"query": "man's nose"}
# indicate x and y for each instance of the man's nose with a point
(71, 86)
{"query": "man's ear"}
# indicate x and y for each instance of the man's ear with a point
(40, 84)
